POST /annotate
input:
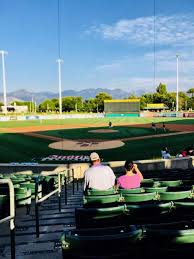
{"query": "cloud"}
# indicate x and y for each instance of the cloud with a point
(108, 67)
(175, 29)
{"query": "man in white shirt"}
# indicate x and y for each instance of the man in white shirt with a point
(98, 176)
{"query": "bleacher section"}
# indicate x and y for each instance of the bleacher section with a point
(153, 221)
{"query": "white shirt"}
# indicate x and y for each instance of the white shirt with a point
(99, 177)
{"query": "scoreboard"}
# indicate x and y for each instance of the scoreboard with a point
(122, 106)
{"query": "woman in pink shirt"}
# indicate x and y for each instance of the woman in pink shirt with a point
(132, 177)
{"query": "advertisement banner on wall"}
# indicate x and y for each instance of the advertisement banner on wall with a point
(32, 117)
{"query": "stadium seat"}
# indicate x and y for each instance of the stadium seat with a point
(95, 192)
(128, 191)
(23, 196)
(98, 243)
(100, 199)
(155, 189)
(172, 196)
(31, 186)
(3, 206)
(100, 217)
(175, 183)
(138, 197)
(148, 213)
(172, 240)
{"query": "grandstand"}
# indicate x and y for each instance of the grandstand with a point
(53, 215)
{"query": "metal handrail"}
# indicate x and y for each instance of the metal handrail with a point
(11, 217)
(67, 179)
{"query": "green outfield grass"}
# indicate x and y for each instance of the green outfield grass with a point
(94, 121)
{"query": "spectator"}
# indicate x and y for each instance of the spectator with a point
(190, 151)
(98, 176)
(154, 126)
(167, 155)
(184, 153)
(164, 151)
(110, 124)
(164, 127)
(132, 177)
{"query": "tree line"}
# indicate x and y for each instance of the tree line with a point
(78, 104)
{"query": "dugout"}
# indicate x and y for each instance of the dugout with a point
(129, 107)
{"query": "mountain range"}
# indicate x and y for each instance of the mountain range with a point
(24, 95)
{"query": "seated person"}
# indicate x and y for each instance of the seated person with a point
(164, 151)
(98, 176)
(132, 177)
(167, 155)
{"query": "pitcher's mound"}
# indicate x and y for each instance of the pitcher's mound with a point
(103, 131)
(86, 145)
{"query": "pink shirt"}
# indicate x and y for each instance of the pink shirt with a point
(129, 182)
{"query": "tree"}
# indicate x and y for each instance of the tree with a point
(71, 103)
(47, 105)
(191, 91)
(90, 105)
(99, 99)
(161, 89)
(1, 104)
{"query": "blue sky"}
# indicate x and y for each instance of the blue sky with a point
(104, 43)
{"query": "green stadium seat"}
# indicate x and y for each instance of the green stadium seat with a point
(128, 191)
(99, 217)
(148, 213)
(31, 186)
(3, 206)
(138, 197)
(100, 199)
(155, 189)
(176, 183)
(172, 196)
(23, 196)
(99, 243)
(95, 192)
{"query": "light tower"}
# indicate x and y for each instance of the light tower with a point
(3, 53)
(177, 82)
(59, 61)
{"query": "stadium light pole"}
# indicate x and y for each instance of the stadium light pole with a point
(3, 53)
(177, 82)
(59, 61)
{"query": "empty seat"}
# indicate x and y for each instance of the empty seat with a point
(99, 217)
(100, 192)
(172, 196)
(96, 243)
(156, 189)
(175, 183)
(138, 197)
(128, 191)
(100, 199)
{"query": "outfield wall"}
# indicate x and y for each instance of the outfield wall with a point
(51, 117)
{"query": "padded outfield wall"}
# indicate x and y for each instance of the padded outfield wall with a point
(129, 106)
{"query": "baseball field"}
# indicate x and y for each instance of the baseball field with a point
(128, 138)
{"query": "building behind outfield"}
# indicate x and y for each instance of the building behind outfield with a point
(129, 107)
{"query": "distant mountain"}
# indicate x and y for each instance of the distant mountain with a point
(24, 95)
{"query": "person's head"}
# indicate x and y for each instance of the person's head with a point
(94, 158)
(129, 165)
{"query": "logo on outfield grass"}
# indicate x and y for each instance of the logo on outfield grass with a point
(66, 158)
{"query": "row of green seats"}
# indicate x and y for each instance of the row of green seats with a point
(123, 214)
(174, 240)
(126, 197)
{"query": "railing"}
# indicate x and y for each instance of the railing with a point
(68, 177)
(11, 217)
